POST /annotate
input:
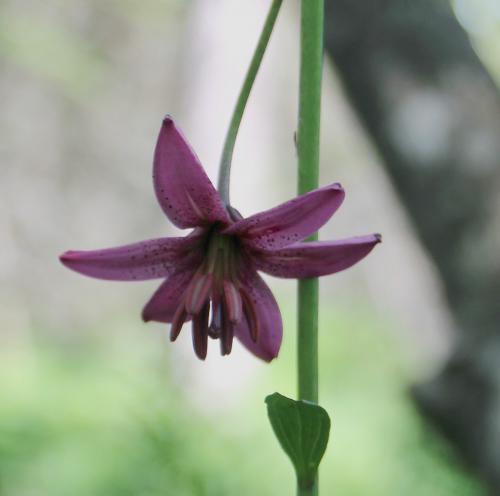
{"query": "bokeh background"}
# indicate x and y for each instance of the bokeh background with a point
(93, 401)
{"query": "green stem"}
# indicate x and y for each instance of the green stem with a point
(311, 68)
(227, 153)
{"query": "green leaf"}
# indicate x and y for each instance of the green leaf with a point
(302, 428)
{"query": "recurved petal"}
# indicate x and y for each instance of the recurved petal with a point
(269, 320)
(182, 187)
(290, 222)
(167, 298)
(314, 259)
(152, 259)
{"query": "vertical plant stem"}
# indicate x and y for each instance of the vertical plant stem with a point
(311, 68)
(227, 152)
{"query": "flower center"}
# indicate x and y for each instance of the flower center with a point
(223, 254)
(216, 300)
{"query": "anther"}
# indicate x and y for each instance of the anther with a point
(216, 322)
(200, 332)
(232, 300)
(227, 333)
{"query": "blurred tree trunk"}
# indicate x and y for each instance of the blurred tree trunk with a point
(433, 112)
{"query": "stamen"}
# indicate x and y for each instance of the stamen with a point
(216, 322)
(180, 317)
(251, 315)
(197, 293)
(227, 333)
(200, 332)
(214, 259)
(232, 300)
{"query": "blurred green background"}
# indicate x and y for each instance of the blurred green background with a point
(105, 418)
(93, 402)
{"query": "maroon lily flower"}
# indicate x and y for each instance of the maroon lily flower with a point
(211, 274)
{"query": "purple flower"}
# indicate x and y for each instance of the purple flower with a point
(211, 275)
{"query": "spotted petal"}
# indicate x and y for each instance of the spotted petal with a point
(290, 222)
(182, 187)
(151, 259)
(268, 316)
(314, 259)
(167, 298)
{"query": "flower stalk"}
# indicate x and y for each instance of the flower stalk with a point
(227, 152)
(311, 65)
